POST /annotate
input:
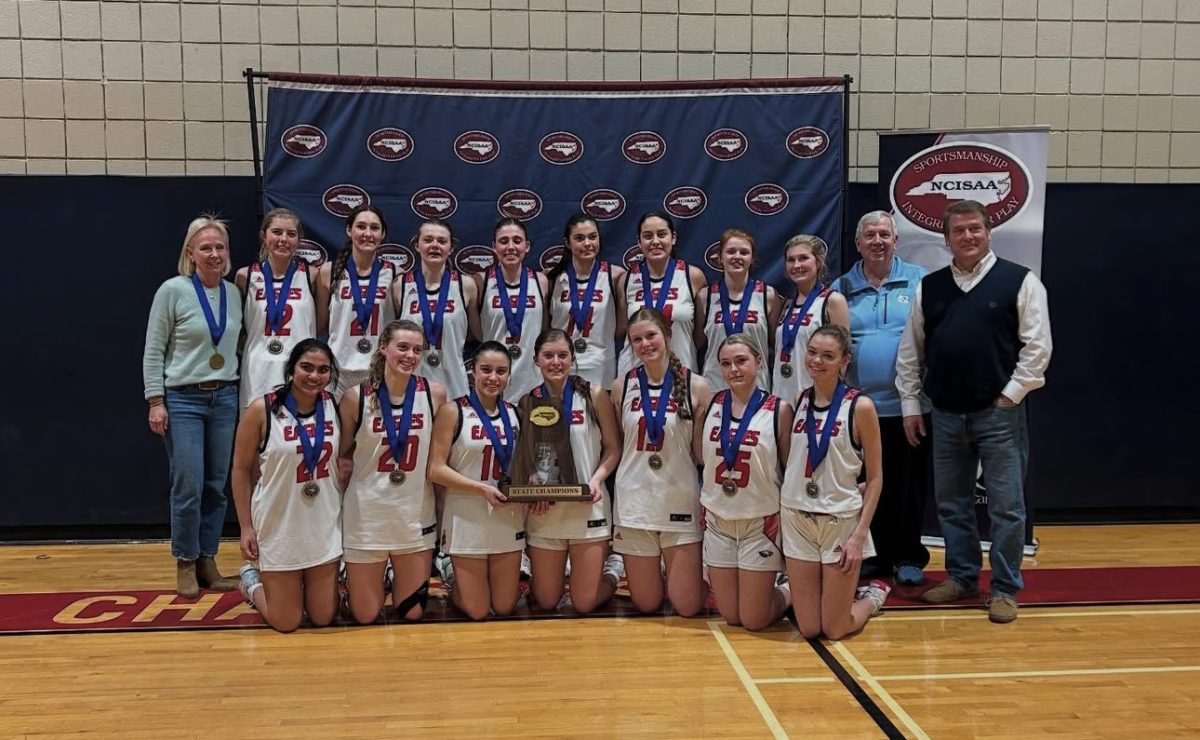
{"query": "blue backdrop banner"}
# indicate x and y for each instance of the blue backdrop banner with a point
(766, 156)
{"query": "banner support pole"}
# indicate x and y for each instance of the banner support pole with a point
(250, 76)
(847, 240)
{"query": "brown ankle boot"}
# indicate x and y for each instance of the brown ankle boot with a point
(185, 579)
(208, 576)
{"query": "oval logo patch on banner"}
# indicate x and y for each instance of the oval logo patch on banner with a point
(390, 144)
(603, 204)
(312, 253)
(712, 257)
(434, 203)
(341, 199)
(477, 147)
(807, 142)
(519, 203)
(726, 144)
(561, 147)
(474, 259)
(644, 147)
(685, 202)
(303, 141)
(633, 257)
(946, 173)
(400, 256)
(552, 257)
(766, 199)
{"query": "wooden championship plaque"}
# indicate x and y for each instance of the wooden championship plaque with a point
(543, 468)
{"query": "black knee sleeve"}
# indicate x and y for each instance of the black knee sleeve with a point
(420, 598)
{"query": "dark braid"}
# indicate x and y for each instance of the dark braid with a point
(680, 390)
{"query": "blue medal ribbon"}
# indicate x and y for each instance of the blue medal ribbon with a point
(503, 452)
(790, 328)
(311, 448)
(397, 436)
(433, 319)
(819, 448)
(580, 306)
(730, 445)
(660, 302)
(215, 328)
(656, 419)
(733, 327)
(277, 301)
(363, 306)
(513, 317)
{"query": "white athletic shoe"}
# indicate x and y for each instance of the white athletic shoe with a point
(389, 576)
(445, 569)
(249, 580)
(877, 592)
(526, 567)
(614, 566)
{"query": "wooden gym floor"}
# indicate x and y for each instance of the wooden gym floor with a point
(1097, 672)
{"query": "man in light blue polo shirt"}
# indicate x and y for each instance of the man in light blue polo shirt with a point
(879, 289)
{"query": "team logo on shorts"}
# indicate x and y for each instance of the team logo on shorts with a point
(603, 204)
(644, 147)
(474, 259)
(303, 141)
(766, 199)
(726, 144)
(561, 147)
(477, 147)
(712, 257)
(519, 203)
(340, 200)
(399, 256)
(390, 144)
(552, 257)
(434, 203)
(685, 202)
(945, 173)
(312, 253)
(807, 142)
(633, 257)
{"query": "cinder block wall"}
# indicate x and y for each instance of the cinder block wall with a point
(133, 88)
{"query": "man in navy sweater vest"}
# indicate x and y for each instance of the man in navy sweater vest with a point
(977, 342)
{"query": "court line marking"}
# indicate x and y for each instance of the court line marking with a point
(764, 709)
(1006, 674)
(797, 679)
(893, 617)
(865, 676)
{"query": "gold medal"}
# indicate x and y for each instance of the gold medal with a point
(217, 361)
(730, 486)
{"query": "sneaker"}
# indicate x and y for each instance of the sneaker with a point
(389, 576)
(948, 590)
(526, 567)
(445, 569)
(1002, 609)
(614, 566)
(249, 581)
(909, 575)
(877, 593)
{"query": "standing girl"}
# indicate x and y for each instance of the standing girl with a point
(813, 306)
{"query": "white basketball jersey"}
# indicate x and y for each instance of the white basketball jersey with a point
(296, 530)
(450, 370)
(378, 513)
(667, 499)
(679, 310)
(523, 375)
(345, 332)
(474, 525)
(788, 388)
(574, 521)
(598, 363)
(756, 326)
(837, 475)
(262, 370)
(756, 469)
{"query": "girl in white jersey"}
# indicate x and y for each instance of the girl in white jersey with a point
(513, 303)
(580, 528)
(443, 303)
(474, 438)
(813, 306)
(735, 304)
(826, 517)
(290, 523)
(280, 308)
(357, 288)
(738, 446)
(388, 513)
(594, 318)
(657, 509)
(662, 282)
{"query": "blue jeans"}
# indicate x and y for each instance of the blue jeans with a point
(995, 437)
(199, 438)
